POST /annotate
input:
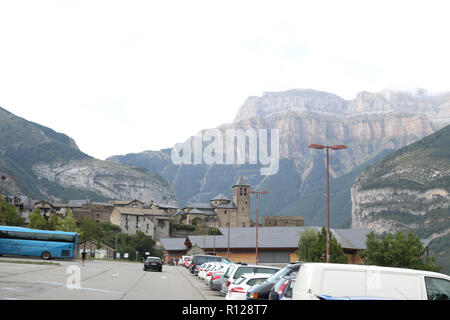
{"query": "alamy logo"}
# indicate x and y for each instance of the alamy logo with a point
(229, 146)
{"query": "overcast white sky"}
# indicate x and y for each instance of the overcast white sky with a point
(128, 76)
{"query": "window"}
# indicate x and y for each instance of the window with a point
(437, 289)
(266, 270)
(252, 282)
(241, 270)
(240, 280)
(289, 289)
(36, 236)
(229, 271)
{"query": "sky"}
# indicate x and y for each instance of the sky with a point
(127, 76)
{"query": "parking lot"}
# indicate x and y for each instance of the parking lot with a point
(109, 280)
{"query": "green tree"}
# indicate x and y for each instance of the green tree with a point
(307, 239)
(313, 247)
(37, 220)
(90, 230)
(69, 223)
(399, 250)
(54, 223)
(10, 215)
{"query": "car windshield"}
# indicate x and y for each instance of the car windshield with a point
(240, 280)
(277, 276)
(228, 272)
(153, 259)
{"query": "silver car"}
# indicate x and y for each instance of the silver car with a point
(237, 270)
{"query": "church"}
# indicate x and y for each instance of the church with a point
(220, 211)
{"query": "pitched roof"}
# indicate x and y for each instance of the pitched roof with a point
(139, 212)
(204, 212)
(241, 182)
(77, 203)
(119, 202)
(229, 205)
(268, 237)
(179, 212)
(200, 205)
(220, 197)
(167, 206)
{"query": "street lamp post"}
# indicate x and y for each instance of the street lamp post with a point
(214, 248)
(257, 220)
(229, 221)
(337, 147)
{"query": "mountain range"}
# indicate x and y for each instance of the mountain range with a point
(45, 164)
(372, 125)
(409, 190)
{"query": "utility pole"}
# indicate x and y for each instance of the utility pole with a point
(115, 246)
(257, 220)
(1, 200)
(338, 147)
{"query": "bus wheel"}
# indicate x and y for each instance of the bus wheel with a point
(45, 255)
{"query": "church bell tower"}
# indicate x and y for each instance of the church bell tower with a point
(241, 199)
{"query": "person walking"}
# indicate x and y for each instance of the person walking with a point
(83, 256)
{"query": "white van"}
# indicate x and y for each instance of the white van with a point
(350, 280)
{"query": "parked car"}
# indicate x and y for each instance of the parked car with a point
(186, 259)
(202, 269)
(182, 260)
(327, 297)
(153, 263)
(217, 277)
(240, 269)
(286, 293)
(188, 263)
(263, 290)
(199, 259)
(215, 269)
(348, 280)
(238, 289)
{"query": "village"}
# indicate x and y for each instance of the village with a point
(221, 227)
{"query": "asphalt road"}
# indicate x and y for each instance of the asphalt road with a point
(107, 280)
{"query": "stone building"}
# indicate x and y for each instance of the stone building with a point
(101, 211)
(221, 211)
(282, 221)
(131, 220)
(127, 203)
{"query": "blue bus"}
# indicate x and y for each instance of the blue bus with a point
(38, 243)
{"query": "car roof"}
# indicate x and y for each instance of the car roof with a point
(257, 266)
(256, 275)
(154, 258)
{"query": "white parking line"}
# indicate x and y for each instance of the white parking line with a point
(81, 288)
(18, 289)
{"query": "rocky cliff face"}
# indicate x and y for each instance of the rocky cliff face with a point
(410, 191)
(107, 179)
(435, 106)
(369, 125)
(42, 163)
